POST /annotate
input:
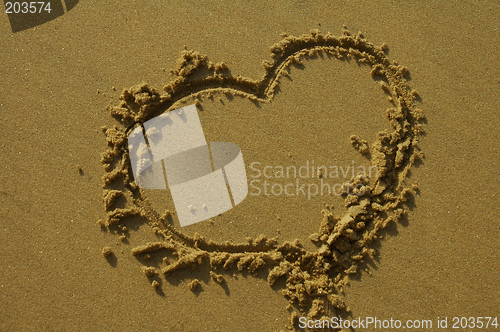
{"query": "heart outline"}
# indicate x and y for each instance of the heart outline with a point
(398, 148)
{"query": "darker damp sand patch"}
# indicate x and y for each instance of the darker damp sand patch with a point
(313, 280)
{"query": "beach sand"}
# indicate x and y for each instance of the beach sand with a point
(426, 248)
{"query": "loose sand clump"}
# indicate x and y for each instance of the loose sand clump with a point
(193, 285)
(360, 144)
(107, 251)
(149, 271)
(218, 278)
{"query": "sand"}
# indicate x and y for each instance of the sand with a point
(412, 94)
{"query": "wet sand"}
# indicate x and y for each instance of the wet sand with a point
(60, 78)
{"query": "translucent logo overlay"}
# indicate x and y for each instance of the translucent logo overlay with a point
(204, 180)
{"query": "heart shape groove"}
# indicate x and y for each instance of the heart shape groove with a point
(314, 279)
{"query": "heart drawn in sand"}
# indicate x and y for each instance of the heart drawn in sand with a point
(313, 279)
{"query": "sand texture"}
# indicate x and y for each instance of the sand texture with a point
(391, 111)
